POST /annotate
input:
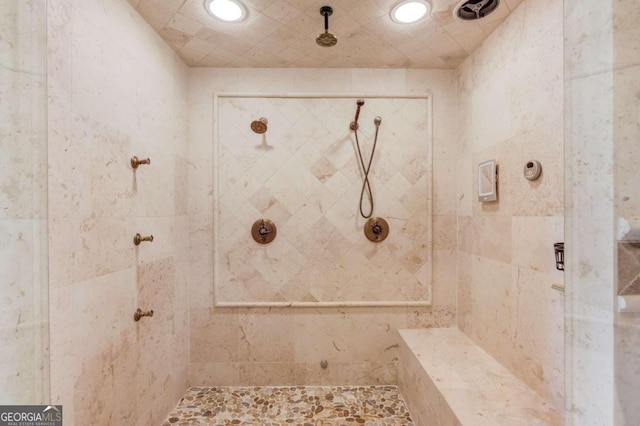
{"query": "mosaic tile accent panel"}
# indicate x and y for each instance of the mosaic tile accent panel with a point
(304, 175)
(298, 405)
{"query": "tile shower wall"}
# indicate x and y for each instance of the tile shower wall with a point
(512, 96)
(115, 90)
(242, 346)
(626, 130)
(24, 371)
(303, 175)
(601, 116)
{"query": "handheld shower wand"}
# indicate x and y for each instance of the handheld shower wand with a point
(366, 184)
(354, 123)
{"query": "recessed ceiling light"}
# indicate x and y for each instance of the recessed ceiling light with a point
(226, 10)
(409, 11)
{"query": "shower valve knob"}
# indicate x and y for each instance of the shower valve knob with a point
(376, 229)
(263, 231)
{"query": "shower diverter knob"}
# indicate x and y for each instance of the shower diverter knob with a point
(376, 229)
(263, 231)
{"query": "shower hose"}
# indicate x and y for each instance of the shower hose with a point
(366, 185)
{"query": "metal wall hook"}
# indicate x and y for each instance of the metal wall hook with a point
(140, 313)
(137, 239)
(135, 161)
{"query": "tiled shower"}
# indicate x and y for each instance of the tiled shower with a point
(301, 174)
(89, 84)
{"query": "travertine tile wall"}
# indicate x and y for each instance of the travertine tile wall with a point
(626, 128)
(285, 345)
(24, 339)
(512, 111)
(303, 174)
(116, 90)
(590, 230)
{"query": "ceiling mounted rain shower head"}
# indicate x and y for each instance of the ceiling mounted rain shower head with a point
(326, 39)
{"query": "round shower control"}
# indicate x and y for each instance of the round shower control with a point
(263, 231)
(532, 170)
(376, 229)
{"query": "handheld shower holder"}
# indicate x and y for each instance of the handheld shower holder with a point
(354, 124)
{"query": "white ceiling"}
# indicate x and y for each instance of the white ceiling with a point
(281, 33)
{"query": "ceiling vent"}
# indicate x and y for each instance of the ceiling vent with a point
(472, 10)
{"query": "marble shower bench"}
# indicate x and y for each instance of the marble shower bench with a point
(446, 379)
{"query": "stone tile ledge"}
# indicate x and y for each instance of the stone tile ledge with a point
(447, 379)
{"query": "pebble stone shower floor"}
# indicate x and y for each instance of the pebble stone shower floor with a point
(291, 405)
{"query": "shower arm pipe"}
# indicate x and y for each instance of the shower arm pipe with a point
(354, 123)
(326, 22)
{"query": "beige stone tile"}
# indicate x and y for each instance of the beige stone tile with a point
(215, 336)
(214, 374)
(156, 14)
(626, 53)
(539, 335)
(264, 338)
(625, 129)
(491, 237)
(87, 247)
(75, 368)
(465, 236)
(626, 334)
(423, 399)
(596, 92)
(264, 373)
(543, 197)
(594, 247)
(352, 373)
(458, 369)
(104, 115)
(533, 239)
(491, 308)
(184, 24)
(201, 279)
(444, 187)
(588, 31)
(163, 351)
(445, 230)
(465, 285)
(466, 192)
(513, 4)
(325, 167)
(445, 278)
